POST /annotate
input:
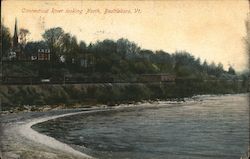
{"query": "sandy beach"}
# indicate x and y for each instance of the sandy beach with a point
(20, 141)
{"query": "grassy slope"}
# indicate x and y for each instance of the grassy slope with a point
(19, 95)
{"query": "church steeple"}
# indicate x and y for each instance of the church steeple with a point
(15, 37)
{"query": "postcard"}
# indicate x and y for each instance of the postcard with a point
(107, 79)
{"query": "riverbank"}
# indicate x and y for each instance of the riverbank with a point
(16, 98)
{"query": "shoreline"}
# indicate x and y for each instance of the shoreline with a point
(20, 141)
(55, 107)
(47, 140)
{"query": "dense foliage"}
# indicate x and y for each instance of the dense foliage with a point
(121, 58)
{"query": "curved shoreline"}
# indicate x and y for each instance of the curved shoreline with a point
(19, 141)
(29, 133)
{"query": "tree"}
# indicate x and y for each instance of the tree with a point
(82, 47)
(65, 44)
(105, 47)
(105, 54)
(205, 66)
(6, 41)
(220, 66)
(23, 33)
(219, 69)
(146, 54)
(231, 70)
(127, 49)
(73, 50)
(163, 60)
(69, 48)
(185, 64)
(53, 37)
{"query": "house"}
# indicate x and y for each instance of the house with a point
(43, 54)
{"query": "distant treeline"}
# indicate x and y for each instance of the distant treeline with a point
(117, 59)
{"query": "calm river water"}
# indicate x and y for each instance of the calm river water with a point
(209, 127)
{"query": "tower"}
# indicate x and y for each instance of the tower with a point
(15, 37)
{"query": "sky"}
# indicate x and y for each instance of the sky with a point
(210, 29)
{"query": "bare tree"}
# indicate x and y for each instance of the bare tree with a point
(23, 33)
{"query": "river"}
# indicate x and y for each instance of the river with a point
(209, 127)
